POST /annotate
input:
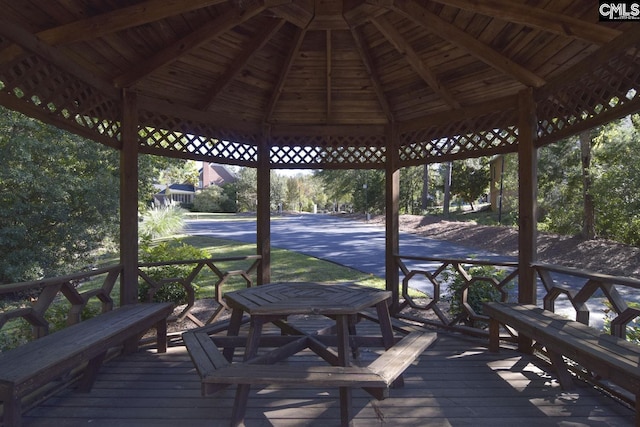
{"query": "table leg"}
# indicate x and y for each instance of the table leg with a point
(386, 329)
(250, 351)
(346, 409)
(353, 320)
(234, 330)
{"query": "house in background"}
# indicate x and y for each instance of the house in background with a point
(215, 174)
(181, 194)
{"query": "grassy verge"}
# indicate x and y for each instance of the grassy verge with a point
(286, 266)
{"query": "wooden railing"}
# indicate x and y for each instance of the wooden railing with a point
(31, 300)
(587, 295)
(436, 290)
(590, 291)
(213, 264)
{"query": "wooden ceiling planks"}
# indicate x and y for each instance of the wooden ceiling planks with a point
(313, 62)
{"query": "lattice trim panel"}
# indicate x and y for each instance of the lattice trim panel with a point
(609, 87)
(161, 134)
(55, 93)
(435, 144)
(328, 151)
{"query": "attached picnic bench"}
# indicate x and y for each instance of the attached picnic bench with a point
(214, 368)
(610, 357)
(37, 363)
(216, 372)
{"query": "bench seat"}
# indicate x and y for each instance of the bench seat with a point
(612, 358)
(36, 363)
(216, 372)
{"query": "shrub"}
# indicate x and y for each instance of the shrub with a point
(479, 292)
(161, 221)
(168, 251)
(633, 328)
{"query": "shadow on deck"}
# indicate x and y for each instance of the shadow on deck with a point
(456, 382)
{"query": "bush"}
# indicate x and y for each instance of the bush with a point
(161, 222)
(479, 292)
(633, 328)
(168, 251)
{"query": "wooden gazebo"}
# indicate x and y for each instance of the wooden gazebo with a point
(323, 84)
(320, 84)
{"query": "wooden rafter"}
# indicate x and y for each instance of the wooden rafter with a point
(284, 73)
(111, 22)
(402, 46)
(328, 76)
(433, 23)
(193, 40)
(371, 71)
(257, 43)
(28, 41)
(534, 17)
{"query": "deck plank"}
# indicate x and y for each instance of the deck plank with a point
(456, 381)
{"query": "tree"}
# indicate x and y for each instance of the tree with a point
(59, 197)
(246, 187)
(470, 179)
(589, 217)
(211, 199)
(412, 189)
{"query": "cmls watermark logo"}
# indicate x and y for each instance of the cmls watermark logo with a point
(619, 11)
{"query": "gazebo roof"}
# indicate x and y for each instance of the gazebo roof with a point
(323, 81)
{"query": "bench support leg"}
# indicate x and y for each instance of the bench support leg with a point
(494, 336)
(90, 373)
(12, 408)
(161, 334)
(562, 371)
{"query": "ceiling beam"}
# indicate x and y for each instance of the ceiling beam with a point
(257, 43)
(111, 22)
(402, 46)
(510, 11)
(31, 43)
(223, 23)
(328, 75)
(433, 23)
(367, 60)
(284, 73)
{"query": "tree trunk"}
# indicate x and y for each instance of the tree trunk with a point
(425, 188)
(447, 188)
(589, 219)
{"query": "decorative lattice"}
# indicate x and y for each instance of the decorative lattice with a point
(611, 86)
(480, 136)
(322, 151)
(52, 93)
(160, 134)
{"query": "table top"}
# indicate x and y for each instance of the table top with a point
(305, 298)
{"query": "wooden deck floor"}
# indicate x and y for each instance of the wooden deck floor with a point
(456, 382)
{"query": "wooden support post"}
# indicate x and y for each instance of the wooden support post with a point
(129, 200)
(392, 221)
(527, 190)
(264, 210)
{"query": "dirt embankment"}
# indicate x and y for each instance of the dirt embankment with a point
(598, 255)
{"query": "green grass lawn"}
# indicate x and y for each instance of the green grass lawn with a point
(286, 266)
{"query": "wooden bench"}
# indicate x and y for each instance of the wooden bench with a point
(610, 357)
(37, 363)
(216, 372)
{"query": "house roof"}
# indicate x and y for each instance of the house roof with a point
(176, 188)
